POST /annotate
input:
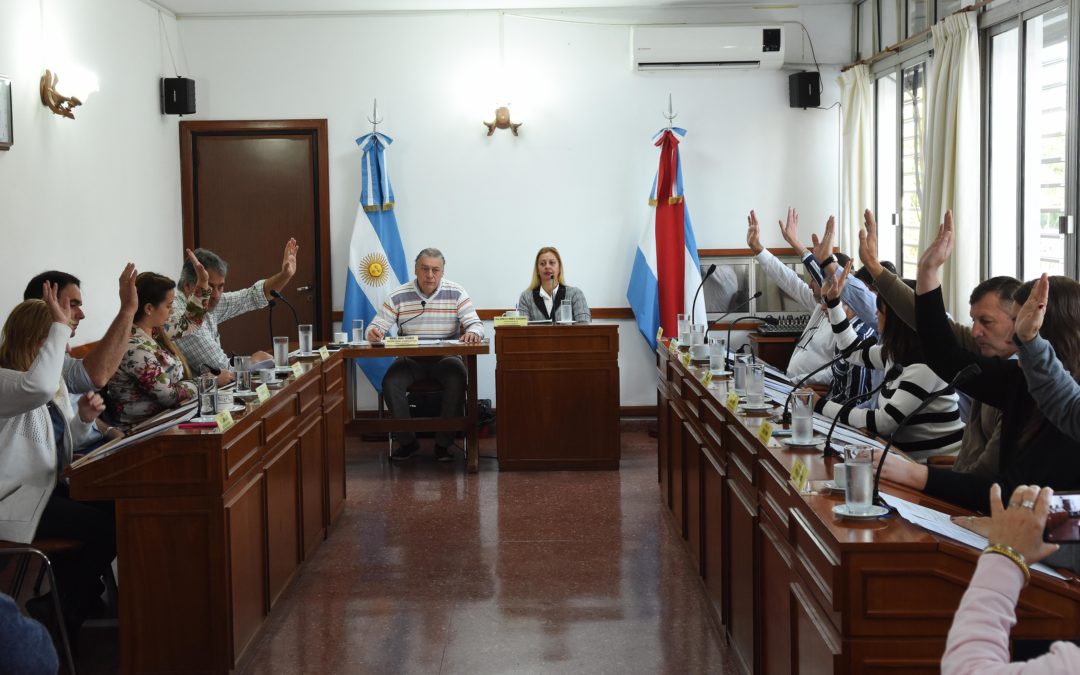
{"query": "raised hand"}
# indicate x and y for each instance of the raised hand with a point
(50, 293)
(288, 262)
(1030, 318)
(823, 247)
(129, 295)
(753, 233)
(834, 286)
(868, 244)
(1020, 526)
(939, 250)
(202, 277)
(90, 406)
(790, 230)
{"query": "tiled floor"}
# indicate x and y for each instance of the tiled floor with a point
(431, 570)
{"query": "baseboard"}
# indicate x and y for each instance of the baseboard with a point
(624, 411)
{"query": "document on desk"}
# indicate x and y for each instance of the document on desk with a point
(158, 425)
(941, 523)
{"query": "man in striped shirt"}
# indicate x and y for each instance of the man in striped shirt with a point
(432, 308)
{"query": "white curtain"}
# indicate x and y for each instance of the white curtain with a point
(857, 158)
(953, 163)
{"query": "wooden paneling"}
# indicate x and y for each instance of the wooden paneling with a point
(558, 391)
(245, 526)
(312, 472)
(799, 590)
(211, 525)
(283, 519)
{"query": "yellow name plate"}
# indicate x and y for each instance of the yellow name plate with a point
(686, 359)
(263, 392)
(799, 473)
(732, 401)
(672, 345)
(297, 369)
(765, 432)
(324, 353)
(511, 321)
(402, 341)
(224, 420)
(706, 379)
(659, 333)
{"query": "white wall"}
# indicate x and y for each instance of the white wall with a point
(577, 177)
(89, 194)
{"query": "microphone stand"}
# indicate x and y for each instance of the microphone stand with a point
(785, 418)
(742, 304)
(771, 320)
(693, 305)
(970, 371)
(423, 308)
(271, 304)
(279, 296)
(851, 403)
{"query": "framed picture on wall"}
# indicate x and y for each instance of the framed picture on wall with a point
(7, 136)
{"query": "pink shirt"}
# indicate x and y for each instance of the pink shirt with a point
(979, 638)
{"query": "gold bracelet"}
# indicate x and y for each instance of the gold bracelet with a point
(1013, 555)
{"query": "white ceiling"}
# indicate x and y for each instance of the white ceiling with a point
(183, 8)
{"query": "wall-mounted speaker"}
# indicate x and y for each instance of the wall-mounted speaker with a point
(804, 90)
(177, 96)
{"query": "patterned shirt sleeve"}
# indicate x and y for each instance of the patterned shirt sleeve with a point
(156, 378)
(187, 313)
(467, 315)
(235, 303)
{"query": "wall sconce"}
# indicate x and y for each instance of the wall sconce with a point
(82, 85)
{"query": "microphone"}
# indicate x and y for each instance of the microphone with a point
(967, 373)
(279, 296)
(851, 403)
(851, 349)
(771, 320)
(693, 305)
(271, 304)
(742, 304)
(423, 308)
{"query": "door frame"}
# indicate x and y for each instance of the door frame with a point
(317, 128)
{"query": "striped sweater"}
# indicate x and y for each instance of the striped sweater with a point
(440, 315)
(936, 430)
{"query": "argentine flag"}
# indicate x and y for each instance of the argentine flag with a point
(666, 272)
(376, 257)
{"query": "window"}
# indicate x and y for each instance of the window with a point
(912, 133)
(1046, 91)
(918, 16)
(865, 43)
(1003, 157)
(888, 31)
(885, 209)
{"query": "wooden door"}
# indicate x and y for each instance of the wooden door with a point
(247, 187)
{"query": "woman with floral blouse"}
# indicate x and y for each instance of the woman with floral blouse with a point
(153, 375)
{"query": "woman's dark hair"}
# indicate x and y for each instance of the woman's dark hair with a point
(899, 341)
(153, 289)
(1061, 326)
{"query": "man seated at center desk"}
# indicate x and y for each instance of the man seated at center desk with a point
(429, 307)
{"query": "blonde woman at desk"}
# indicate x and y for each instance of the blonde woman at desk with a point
(548, 291)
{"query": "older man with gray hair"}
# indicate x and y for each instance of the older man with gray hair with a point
(203, 346)
(432, 308)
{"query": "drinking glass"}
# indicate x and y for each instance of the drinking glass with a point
(684, 329)
(281, 352)
(717, 353)
(755, 385)
(802, 417)
(859, 460)
(340, 338)
(305, 338)
(738, 368)
(699, 351)
(242, 367)
(565, 314)
(207, 394)
(358, 330)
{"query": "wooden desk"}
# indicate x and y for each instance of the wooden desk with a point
(468, 423)
(796, 588)
(212, 527)
(558, 393)
(776, 351)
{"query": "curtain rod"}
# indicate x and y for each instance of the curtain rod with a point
(894, 48)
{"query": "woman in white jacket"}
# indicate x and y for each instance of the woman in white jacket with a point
(37, 433)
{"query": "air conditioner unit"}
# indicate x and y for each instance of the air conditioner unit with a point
(707, 47)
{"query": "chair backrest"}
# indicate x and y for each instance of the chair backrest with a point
(82, 350)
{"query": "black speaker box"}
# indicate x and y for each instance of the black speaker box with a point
(804, 90)
(177, 96)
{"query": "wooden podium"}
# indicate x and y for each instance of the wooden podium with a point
(558, 396)
(212, 527)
